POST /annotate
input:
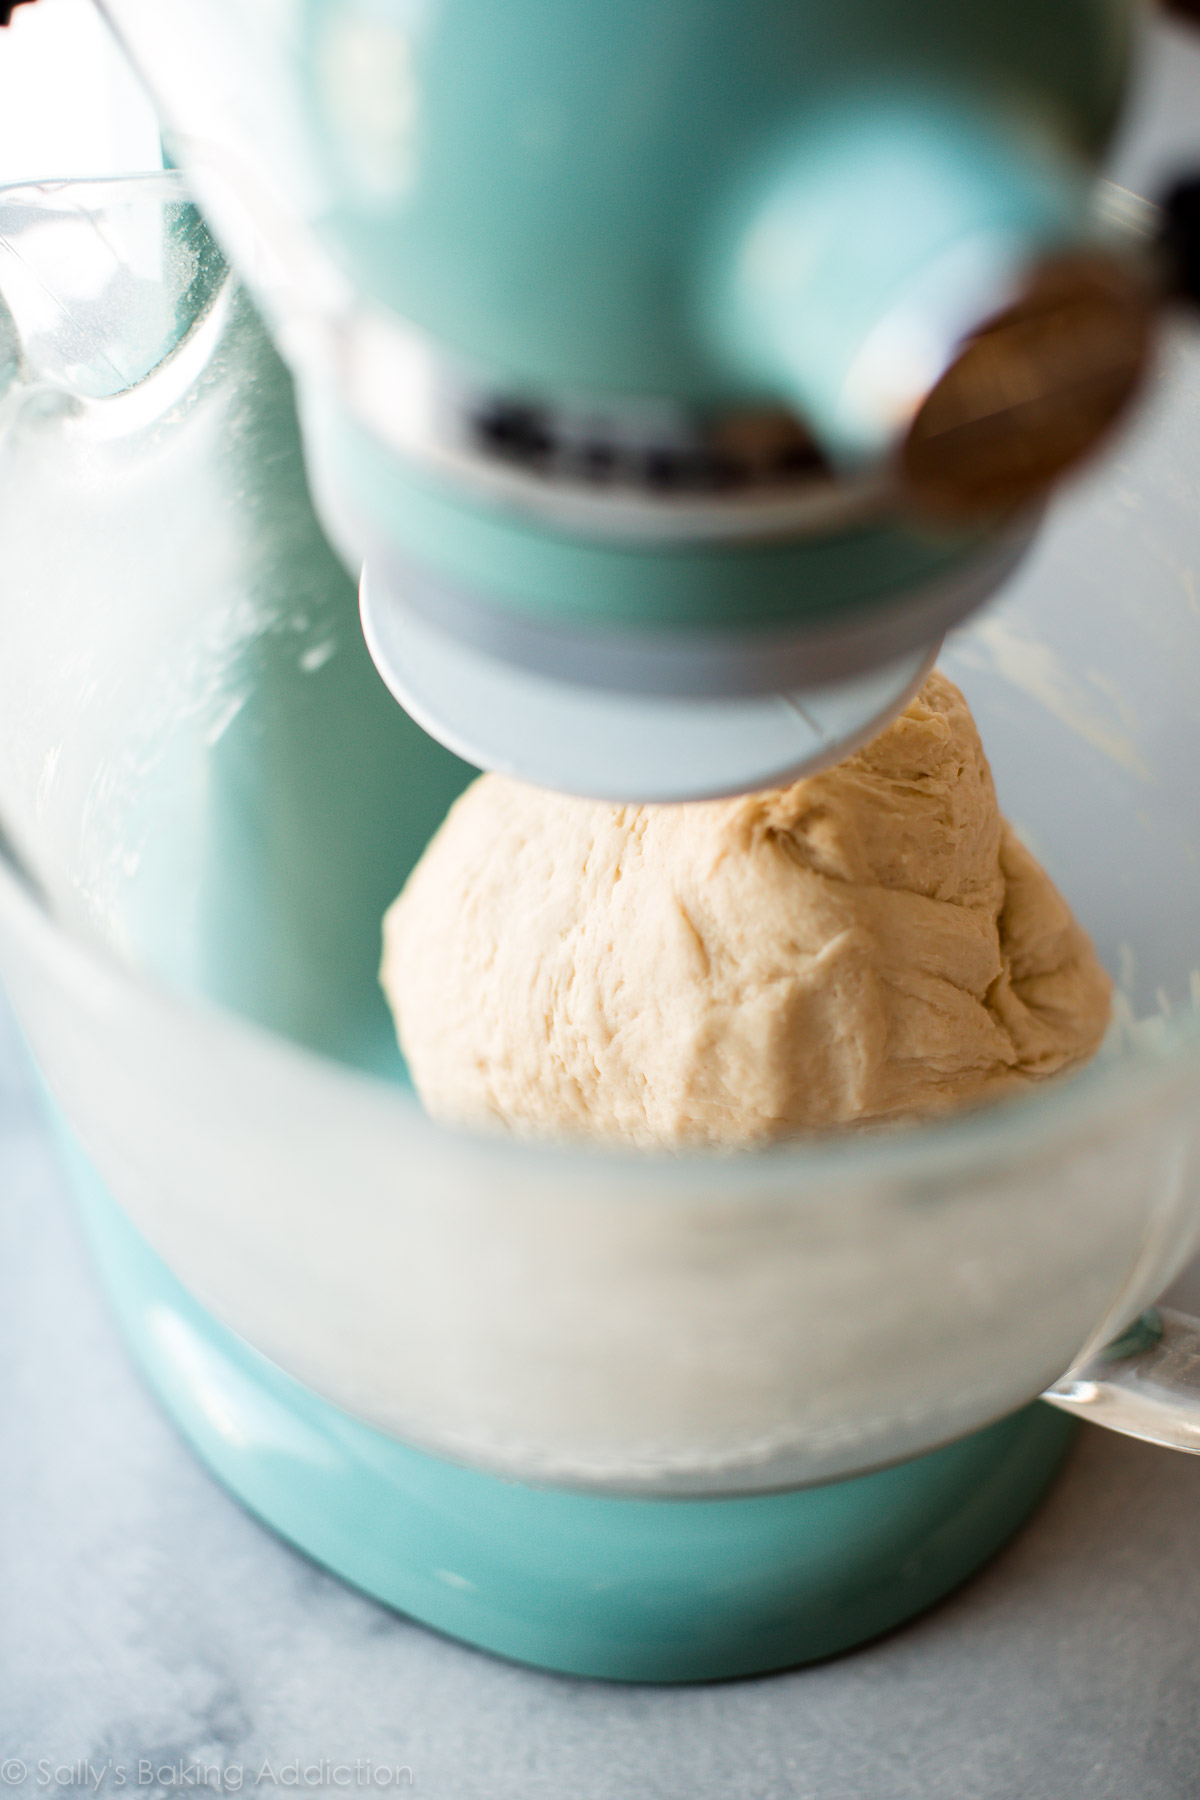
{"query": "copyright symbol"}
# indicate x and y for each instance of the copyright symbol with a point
(12, 1771)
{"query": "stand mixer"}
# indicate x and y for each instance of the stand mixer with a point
(642, 356)
(682, 376)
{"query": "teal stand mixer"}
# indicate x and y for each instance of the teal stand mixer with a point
(625, 337)
(679, 374)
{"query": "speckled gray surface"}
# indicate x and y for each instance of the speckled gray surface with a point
(148, 1626)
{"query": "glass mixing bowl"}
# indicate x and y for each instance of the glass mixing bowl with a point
(209, 799)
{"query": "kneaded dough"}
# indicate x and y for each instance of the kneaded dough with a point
(873, 942)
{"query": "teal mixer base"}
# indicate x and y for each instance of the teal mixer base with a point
(622, 1588)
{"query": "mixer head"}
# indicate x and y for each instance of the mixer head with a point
(679, 380)
(602, 704)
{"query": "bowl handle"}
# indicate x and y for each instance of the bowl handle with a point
(1145, 1383)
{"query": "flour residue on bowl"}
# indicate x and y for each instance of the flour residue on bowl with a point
(996, 643)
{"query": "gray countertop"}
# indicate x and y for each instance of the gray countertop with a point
(147, 1624)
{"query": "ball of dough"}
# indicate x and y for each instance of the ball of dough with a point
(873, 942)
